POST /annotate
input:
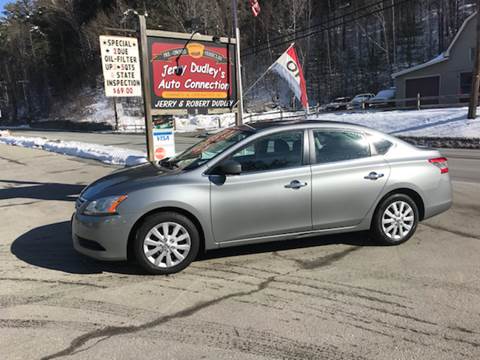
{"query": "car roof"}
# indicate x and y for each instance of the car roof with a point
(269, 124)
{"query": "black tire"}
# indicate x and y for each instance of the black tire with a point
(377, 231)
(149, 223)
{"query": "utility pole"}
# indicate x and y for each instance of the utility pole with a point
(147, 96)
(238, 64)
(115, 112)
(472, 109)
(394, 37)
(26, 98)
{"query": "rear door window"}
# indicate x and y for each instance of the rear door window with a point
(380, 144)
(332, 146)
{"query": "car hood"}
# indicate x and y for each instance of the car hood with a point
(127, 180)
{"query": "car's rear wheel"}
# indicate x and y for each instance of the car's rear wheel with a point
(166, 243)
(395, 220)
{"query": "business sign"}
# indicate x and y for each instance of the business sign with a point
(121, 66)
(163, 137)
(191, 75)
(163, 143)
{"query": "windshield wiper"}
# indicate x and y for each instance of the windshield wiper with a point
(168, 163)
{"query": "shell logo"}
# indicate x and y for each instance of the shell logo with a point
(195, 50)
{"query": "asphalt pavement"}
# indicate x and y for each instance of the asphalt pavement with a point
(332, 297)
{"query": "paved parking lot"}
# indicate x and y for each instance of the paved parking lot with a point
(334, 297)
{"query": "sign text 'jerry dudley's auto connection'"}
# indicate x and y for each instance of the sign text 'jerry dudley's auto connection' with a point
(121, 66)
(192, 75)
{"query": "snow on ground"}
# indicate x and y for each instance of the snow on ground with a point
(106, 154)
(204, 122)
(447, 122)
(192, 123)
(213, 122)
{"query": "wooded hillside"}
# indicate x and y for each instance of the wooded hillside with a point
(49, 49)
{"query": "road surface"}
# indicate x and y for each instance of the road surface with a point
(464, 164)
(333, 297)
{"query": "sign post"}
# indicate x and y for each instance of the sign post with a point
(238, 64)
(147, 98)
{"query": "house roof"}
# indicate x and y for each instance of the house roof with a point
(440, 58)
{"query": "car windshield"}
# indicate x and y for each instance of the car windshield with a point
(207, 149)
(386, 94)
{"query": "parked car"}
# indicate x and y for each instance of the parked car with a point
(339, 103)
(359, 100)
(383, 99)
(257, 183)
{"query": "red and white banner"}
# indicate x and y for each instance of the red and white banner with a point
(255, 6)
(288, 67)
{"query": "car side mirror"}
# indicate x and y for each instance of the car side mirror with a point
(229, 167)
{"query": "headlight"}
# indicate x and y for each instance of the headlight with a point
(104, 206)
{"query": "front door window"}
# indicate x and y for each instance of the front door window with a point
(272, 152)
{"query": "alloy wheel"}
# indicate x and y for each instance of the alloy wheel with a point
(398, 220)
(167, 244)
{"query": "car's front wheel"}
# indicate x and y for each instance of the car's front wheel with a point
(166, 243)
(395, 220)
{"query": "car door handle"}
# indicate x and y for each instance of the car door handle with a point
(373, 176)
(295, 184)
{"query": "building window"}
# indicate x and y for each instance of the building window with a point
(465, 86)
(472, 54)
(465, 83)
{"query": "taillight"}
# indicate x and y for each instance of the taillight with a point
(440, 163)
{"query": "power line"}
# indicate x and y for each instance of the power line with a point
(291, 39)
(317, 25)
(324, 28)
(323, 25)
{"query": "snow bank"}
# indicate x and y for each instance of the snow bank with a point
(204, 122)
(192, 123)
(447, 122)
(106, 154)
(221, 121)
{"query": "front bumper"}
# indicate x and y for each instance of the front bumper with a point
(101, 237)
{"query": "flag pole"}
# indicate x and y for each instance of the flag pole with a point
(238, 64)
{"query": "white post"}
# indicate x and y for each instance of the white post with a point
(238, 64)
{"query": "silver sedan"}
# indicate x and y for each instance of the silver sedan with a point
(267, 181)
